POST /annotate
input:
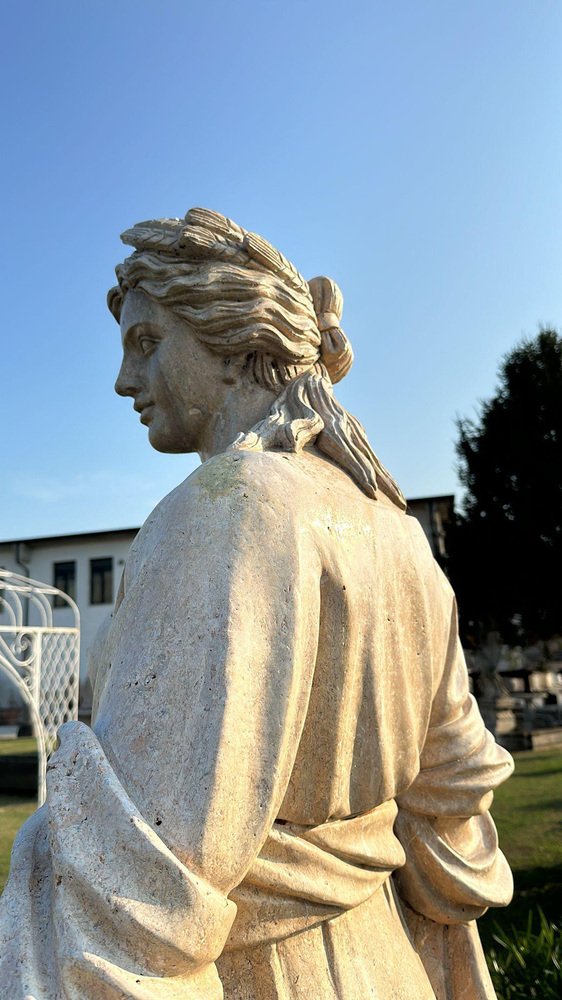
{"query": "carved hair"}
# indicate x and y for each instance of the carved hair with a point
(241, 296)
(231, 311)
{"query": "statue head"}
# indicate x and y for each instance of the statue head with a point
(244, 303)
(238, 294)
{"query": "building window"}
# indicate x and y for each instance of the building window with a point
(101, 581)
(64, 578)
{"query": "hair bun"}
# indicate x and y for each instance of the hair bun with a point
(327, 299)
(335, 350)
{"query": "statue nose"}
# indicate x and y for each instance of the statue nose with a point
(127, 382)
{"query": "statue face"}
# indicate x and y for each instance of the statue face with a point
(176, 382)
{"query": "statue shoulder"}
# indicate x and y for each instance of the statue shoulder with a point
(232, 499)
(245, 475)
(234, 484)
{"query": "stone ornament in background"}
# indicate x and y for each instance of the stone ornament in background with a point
(285, 791)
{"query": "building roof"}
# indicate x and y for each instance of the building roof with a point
(449, 497)
(71, 537)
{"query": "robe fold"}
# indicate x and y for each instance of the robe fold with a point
(287, 785)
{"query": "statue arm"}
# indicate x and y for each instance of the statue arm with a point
(212, 656)
(454, 869)
(158, 813)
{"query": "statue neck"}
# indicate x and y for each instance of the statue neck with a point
(242, 407)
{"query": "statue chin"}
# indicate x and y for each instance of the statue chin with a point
(167, 443)
(166, 447)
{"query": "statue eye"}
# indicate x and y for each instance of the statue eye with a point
(147, 344)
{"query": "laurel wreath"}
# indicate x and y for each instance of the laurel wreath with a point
(204, 234)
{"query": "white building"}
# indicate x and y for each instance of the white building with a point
(435, 515)
(88, 568)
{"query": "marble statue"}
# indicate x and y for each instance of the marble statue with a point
(285, 790)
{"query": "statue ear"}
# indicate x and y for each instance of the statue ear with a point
(231, 369)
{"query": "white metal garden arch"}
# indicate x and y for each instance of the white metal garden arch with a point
(41, 659)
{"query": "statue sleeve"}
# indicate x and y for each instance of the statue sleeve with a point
(454, 869)
(156, 815)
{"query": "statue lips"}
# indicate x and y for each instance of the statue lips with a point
(144, 408)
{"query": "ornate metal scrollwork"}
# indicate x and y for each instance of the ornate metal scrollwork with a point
(40, 658)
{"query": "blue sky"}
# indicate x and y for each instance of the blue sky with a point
(410, 150)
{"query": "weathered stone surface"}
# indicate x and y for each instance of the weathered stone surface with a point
(286, 790)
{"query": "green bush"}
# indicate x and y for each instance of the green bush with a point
(527, 964)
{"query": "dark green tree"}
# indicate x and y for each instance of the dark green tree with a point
(506, 548)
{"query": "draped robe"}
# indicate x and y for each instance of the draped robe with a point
(285, 790)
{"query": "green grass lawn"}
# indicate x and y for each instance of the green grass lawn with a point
(528, 815)
(21, 745)
(13, 812)
(527, 811)
(14, 809)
